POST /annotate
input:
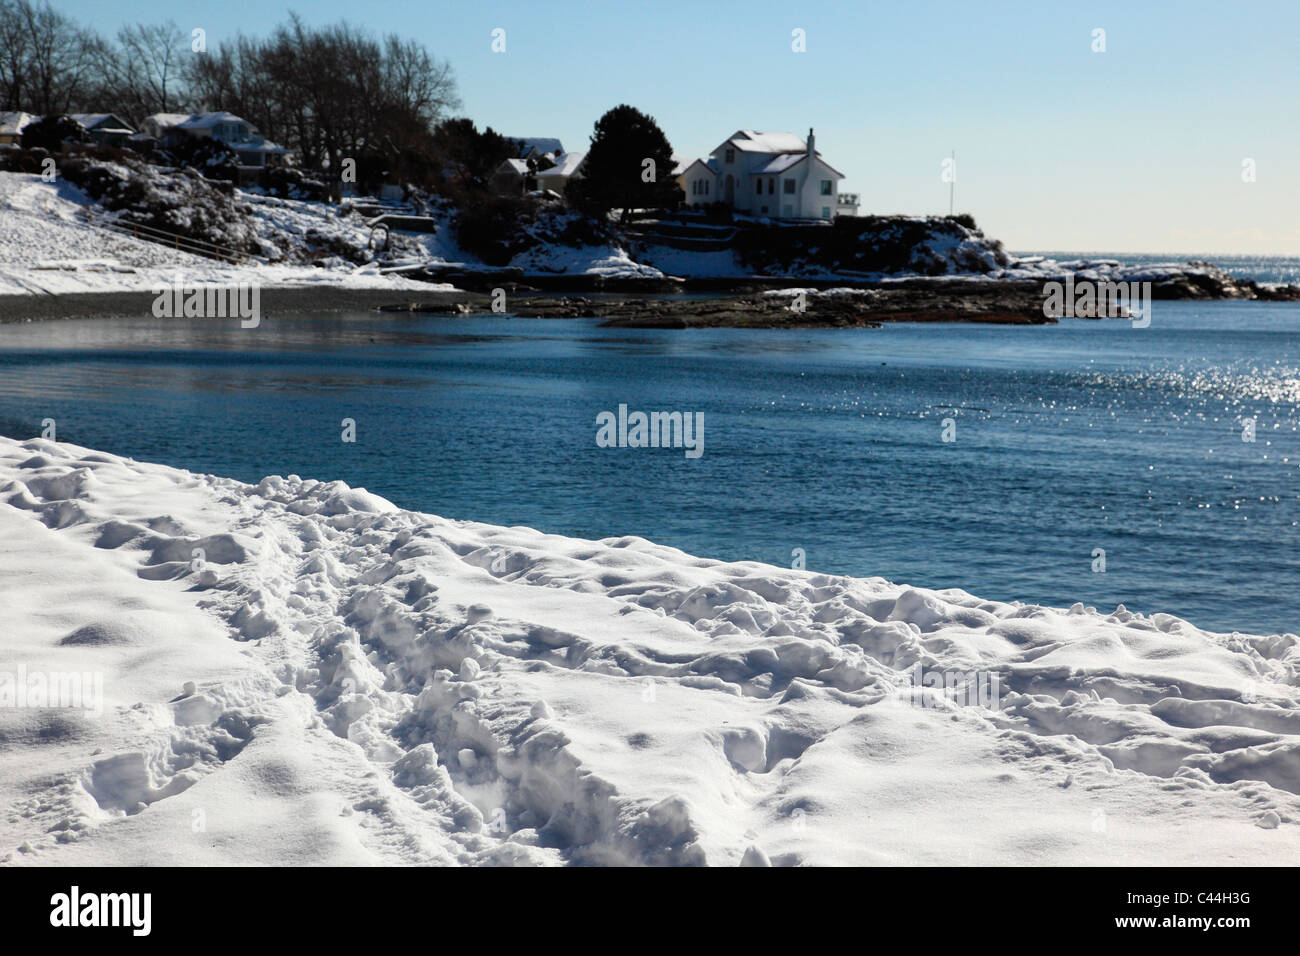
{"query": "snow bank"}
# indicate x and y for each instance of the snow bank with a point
(48, 247)
(300, 672)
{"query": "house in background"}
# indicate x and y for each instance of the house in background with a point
(12, 125)
(773, 175)
(511, 177)
(567, 166)
(254, 150)
(518, 174)
(106, 129)
(536, 147)
(155, 126)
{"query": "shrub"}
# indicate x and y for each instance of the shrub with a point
(493, 228)
(210, 157)
(290, 183)
(52, 132)
(23, 160)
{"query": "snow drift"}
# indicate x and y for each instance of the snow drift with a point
(299, 672)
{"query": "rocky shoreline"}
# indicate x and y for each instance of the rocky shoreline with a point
(997, 303)
(760, 302)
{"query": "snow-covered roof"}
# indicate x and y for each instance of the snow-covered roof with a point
(566, 164)
(194, 121)
(779, 164)
(211, 120)
(12, 123)
(542, 144)
(710, 164)
(96, 121)
(167, 120)
(517, 165)
(755, 141)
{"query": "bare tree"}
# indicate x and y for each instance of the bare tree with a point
(14, 54)
(149, 67)
(59, 57)
(328, 92)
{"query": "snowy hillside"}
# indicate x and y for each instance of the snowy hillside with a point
(47, 245)
(298, 672)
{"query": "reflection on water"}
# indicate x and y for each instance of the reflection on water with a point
(1068, 437)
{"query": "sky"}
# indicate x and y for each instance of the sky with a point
(1180, 136)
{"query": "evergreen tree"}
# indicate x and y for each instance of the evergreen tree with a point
(629, 166)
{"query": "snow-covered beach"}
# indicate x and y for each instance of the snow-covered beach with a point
(298, 672)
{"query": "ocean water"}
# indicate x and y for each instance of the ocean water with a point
(1274, 270)
(1067, 438)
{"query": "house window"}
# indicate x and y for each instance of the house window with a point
(758, 186)
(789, 187)
(826, 187)
(771, 186)
(731, 155)
(706, 187)
(826, 212)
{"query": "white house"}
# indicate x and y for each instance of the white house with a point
(239, 134)
(776, 175)
(567, 166)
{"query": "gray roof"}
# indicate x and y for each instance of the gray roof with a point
(91, 121)
(542, 144)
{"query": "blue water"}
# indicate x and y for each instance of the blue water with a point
(1071, 437)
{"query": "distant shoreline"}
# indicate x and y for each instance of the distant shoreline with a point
(654, 303)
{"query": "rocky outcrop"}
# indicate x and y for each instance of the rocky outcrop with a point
(1003, 303)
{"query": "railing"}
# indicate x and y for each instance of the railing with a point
(198, 247)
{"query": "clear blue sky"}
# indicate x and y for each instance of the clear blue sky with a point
(1139, 148)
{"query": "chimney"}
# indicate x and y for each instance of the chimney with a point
(812, 144)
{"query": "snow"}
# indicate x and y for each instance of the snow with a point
(779, 164)
(751, 140)
(566, 164)
(47, 246)
(331, 679)
(606, 260)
